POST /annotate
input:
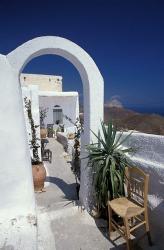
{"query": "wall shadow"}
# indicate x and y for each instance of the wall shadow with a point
(69, 190)
(8, 247)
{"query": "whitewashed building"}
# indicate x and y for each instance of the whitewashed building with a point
(57, 103)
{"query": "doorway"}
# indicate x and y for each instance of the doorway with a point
(57, 115)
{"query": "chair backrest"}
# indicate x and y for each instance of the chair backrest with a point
(137, 185)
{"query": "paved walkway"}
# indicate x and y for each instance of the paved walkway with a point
(60, 183)
(61, 223)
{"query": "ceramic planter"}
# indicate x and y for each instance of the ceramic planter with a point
(39, 176)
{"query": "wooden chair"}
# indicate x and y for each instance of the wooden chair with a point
(132, 211)
(46, 153)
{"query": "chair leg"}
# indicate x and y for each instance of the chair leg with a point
(129, 244)
(147, 228)
(149, 238)
(127, 234)
(110, 220)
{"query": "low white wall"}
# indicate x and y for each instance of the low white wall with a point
(68, 103)
(150, 157)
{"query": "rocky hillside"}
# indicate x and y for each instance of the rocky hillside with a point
(128, 119)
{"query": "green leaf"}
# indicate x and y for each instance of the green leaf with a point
(104, 130)
(117, 140)
(112, 170)
(106, 166)
(113, 137)
(128, 150)
(125, 139)
(110, 128)
(100, 140)
(120, 181)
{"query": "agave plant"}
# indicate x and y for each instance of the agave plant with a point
(108, 161)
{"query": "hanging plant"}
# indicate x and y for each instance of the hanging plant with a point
(38, 169)
(43, 115)
(34, 145)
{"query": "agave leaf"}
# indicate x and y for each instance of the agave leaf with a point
(113, 138)
(128, 150)
(97, 158)
(98, 180)
(112, 170)
(110, 128)
(104, 130)
(100, 140)
(99, 169)
(106, 166)
(104, 187)
(125, 139)
(117, 140)
(95, 153)
(120, 181)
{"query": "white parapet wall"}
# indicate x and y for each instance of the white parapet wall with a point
(150, 157)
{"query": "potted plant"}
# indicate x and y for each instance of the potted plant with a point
(108, 161)
(38, 169)
(43, 115)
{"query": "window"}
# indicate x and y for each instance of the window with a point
(57, 115)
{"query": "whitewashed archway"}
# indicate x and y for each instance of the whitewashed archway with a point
(13, 132)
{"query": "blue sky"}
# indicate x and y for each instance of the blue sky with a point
(125, 38)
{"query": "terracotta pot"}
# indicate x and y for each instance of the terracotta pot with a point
(39, 176)
(43, 133)
(71, 136)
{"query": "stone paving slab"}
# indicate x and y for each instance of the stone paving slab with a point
(18, 234)
(78, 232)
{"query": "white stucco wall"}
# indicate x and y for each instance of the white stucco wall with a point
(150, 157)
(68, 101)
(15, 173)
(16, 184)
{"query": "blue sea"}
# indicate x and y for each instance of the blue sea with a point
(148, 110)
